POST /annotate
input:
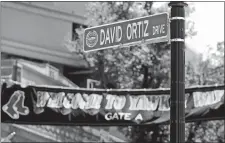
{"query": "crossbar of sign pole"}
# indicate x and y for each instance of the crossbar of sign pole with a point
(149, 29)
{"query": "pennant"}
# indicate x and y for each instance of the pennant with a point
(42, 105)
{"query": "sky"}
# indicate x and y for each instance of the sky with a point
(209, 23)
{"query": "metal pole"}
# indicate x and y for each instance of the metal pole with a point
(177, 92)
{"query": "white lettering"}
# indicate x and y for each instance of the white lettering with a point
(119, 102)
(107, 36)
(139, 28)
(127, 116)
(146, 27)
(67, 102)
(110, 100)
(118, 116)
(141, 105)
(218, 94)
(112, 33)
(155, 30)
(207, 98)
(164, 103)
(42, 98)
(129, 32)
(158, 29)
(162, 29)
(203, 98)
(134, 31)
(153, 102)
(139, 117)
(120, 33)
(133, 103)
(108, 116)
(102, 37)
(78, 101)
(93, 101)
(56, 100)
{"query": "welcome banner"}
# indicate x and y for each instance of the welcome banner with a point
(57, 105)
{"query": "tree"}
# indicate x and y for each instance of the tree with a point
(110, 63)
(207, 72)
(139, 66)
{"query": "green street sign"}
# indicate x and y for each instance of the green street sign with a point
(149, 29)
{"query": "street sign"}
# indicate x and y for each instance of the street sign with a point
(149, 29)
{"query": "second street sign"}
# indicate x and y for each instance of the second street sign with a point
(151, 29)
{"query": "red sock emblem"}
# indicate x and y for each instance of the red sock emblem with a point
(15, 105)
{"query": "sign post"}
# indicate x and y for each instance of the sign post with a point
(149, 29)
(177, 90)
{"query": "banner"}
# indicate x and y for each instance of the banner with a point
(56, 105)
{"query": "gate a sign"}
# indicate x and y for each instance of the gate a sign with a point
(151, 29)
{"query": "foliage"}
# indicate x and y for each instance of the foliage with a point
(207, 72)
(124, 66)
(141, 66)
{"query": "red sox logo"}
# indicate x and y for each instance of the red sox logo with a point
(15, 106)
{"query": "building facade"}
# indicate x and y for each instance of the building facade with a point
(33, 36)
(37, 31)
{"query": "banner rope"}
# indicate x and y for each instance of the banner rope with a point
(158, 91)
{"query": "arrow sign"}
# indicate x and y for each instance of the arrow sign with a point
(151, 29)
